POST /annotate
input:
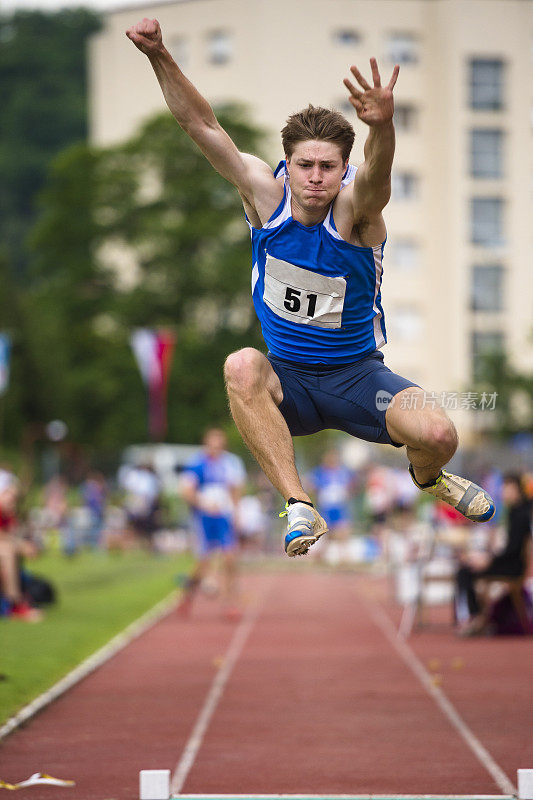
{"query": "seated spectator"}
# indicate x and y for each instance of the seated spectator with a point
(12, 549)
(472, 607)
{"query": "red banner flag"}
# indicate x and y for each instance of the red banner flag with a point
(153, 350)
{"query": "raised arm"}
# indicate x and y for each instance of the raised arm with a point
(375, 107)
(249, 174)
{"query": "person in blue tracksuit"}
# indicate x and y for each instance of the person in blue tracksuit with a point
(333, 484)
(212, 484)
(318, 239)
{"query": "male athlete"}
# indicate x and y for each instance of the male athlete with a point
(317, 238)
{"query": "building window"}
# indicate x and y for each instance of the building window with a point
(486, 84)
(220, 47)
(407, 324)
(404, 254)
(484, 343)
(179, 48)
(404, 186)
(346, 37)
(405, 117)
(486, 153)
(402, 48)
(487, 288)
(486, 220)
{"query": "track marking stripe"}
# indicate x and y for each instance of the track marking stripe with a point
(97, 659)
(448, 709)
(212, 700)
(346, 797)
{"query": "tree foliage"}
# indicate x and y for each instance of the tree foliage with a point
(144, 234)
(514, 402)
(43, 89)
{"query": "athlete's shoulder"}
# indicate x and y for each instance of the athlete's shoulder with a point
(266, 191)
(261, 176)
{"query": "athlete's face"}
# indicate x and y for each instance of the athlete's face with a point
(215, 442)
(315, 173)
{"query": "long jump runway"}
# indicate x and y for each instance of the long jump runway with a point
(310, 694)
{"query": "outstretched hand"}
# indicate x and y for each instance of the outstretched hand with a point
(146, 36)
(374, 105)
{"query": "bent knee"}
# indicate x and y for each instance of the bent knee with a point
(243, 370)
(441, 436)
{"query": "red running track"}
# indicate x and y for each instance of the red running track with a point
(319, 701)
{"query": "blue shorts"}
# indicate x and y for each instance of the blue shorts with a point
(344, 397)
(214, 533)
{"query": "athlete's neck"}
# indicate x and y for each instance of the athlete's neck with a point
(308, 216)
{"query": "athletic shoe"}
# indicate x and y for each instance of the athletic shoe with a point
(305, 527)
(467, 497)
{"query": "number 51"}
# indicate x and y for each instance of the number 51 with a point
(293, 302)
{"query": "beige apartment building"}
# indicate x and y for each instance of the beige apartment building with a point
(457, 266)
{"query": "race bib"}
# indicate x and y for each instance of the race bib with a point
(303, 296)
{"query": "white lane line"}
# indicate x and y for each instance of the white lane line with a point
(97, 659)
(345, 797)
(448, 709)
(201, 725)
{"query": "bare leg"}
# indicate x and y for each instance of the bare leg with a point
(429, 434)
(229, 565)
(9, 577)
(255, 393)
(193, 583)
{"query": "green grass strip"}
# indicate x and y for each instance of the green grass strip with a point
(99, 594)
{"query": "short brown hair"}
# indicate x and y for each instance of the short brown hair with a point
(318, 123)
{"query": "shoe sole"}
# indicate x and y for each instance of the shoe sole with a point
(301, 544)
(488, 515)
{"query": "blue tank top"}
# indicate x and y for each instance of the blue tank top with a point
(317, 297)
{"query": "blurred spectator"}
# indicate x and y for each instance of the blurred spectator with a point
(94, 493)
(56, 506)
(252, 523)
(142, 501)
(472, 606)
(211, 485)
(334, 485)
(12, 549)
(492, 479)
(406, 494)
(380, 496)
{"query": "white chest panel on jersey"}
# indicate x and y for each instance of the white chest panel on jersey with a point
(303, 296)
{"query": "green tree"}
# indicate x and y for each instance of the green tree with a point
(43, 90)
(514, 390)
(183, 262)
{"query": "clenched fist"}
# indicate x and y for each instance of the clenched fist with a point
(146, 36)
